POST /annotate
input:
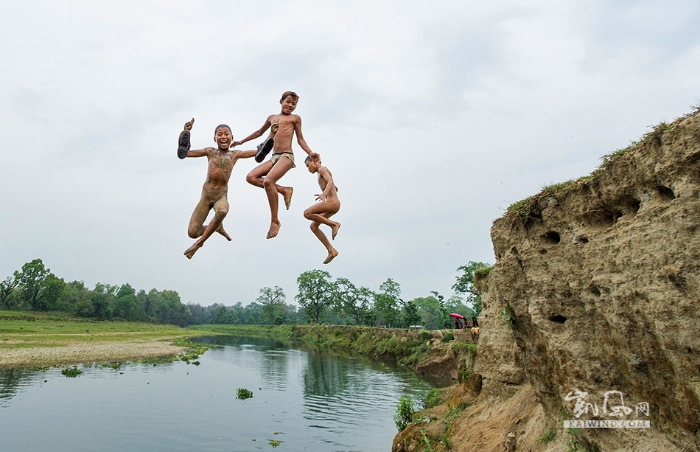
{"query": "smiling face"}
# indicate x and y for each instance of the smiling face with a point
(223, 137)
(289, 104)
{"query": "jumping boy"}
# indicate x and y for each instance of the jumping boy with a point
(327, 206)
(215, 189)
(284, 126)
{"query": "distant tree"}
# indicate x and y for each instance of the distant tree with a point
(315, 293)
(6, 288)
(464, 284)
(126, 306)
(32, 282)
(430, 312)
(386, 303)
(52, 293)
(446, 319)
(274, 310)
(223, 315)
(351, 301)
(410, 314)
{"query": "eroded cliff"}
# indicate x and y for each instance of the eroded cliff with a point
(595, 289)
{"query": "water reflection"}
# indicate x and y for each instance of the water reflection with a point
(11, 382)
(307, 400)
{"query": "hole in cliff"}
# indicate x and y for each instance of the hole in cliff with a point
(594, 290)
(603, 216)
(634, 205)
(552, 237)
(665, 193)
(583, 239)
(558, 318)
(543, 251)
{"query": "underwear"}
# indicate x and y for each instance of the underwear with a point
(275, 158)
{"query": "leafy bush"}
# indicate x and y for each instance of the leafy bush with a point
(447, 337)
(404, 413)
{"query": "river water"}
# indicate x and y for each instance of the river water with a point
(302, 401)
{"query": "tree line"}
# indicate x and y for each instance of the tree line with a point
(320, 298)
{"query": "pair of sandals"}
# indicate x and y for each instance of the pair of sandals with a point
(183, 142)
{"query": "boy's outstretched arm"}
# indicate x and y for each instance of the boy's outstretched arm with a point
(197, 152)
(246, 154)
(253, 135)
(302, 141)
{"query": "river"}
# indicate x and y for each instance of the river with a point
(302, 401)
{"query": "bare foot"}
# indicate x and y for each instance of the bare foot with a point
(223, 232)
(335, 229)
(288, 197)
(331, 256)
(274, 230)
(191, 250)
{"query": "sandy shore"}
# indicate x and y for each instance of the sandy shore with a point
(81, 352)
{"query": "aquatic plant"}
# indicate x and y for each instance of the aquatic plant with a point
(242, 394)
(71, 372)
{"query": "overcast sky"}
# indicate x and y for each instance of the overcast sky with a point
(434, 117)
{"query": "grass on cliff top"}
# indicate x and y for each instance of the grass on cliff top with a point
(524, 210)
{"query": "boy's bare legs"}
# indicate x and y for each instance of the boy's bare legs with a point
(257, 177)
(320, 214)
(266, 176)
(197, 229)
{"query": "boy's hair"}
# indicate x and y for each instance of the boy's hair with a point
(309, 159)
(220, 126)
(289, 93)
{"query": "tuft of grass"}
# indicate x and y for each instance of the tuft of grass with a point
(547, 436)
(433, 398)
(483, 273)
(449, 336)
(507, 315)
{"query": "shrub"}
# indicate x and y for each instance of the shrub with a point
(447, 337)
(404, 413)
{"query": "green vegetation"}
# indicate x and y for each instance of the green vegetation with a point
(404, 413)
(447, 337)
(547, 436)
(507, 315)
(465, 283)
(274, 443)
(72, 372)
(34, 288)
(243, 394)
(433, 398)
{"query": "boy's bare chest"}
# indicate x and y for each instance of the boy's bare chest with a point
(221, 161)
(285, 122)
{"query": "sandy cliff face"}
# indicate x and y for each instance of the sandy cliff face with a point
(603, 279)
(600, 278)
